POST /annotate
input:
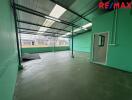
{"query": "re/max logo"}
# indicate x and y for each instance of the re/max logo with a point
(114, 5)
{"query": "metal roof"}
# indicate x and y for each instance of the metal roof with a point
(86, 8)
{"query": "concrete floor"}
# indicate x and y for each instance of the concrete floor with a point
(59, 77)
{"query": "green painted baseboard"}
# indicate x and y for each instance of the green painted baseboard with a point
(44, 49)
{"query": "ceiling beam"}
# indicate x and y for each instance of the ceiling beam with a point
(75, 13)
(86, 13)
(91, 10)
(79, 33)
(30, 23)
(39, 31)
(40, 14)
(34, 33)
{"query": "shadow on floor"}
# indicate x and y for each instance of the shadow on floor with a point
(27, 57)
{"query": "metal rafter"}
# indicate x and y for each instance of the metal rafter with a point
(30, 23)
(34, 33)
(40, 14)
(84, 14)
(39, 31)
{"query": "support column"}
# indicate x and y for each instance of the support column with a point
(72, 44)
(17, 36)
(54, 42)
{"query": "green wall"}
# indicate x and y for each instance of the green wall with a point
(82, 42)
(44, 49)
(119, 55)
(8, 52)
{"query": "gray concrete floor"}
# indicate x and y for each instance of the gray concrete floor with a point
(59, 77)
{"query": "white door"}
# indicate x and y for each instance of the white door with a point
(100, 47)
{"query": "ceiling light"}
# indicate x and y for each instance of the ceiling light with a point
(63, 35)
(68, 33)
(87, 25)
(77, 29)
(84, 27)
(48, 17)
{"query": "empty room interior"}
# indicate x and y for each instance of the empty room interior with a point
(65, 50)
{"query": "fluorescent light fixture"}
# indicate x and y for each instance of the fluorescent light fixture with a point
(52, 18)
(56, 12)
(83, 27)
(77, 29)
(69, 33)
(86, 25)
(63, 35)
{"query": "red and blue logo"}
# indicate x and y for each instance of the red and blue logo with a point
(115, 4)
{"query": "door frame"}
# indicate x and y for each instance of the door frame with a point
(106, 50)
